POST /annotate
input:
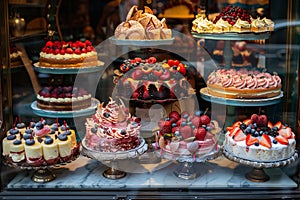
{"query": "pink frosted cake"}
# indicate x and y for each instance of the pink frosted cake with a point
(188, 134)
(112, 129)
(257, 139)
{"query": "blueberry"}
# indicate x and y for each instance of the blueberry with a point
(28, 131)
(185, 116)
(11, 137)
(183, 124)
(54, 127)
(48, 140)
(106, 115)
(203, 125)
(94, 130)
(135, 124)
(13, 131)
(256, 144)
(17, 142)
(193, 127)
(247, 130)
(20, 125)
(256, 134)
(123, 132)
(68, 132)
(253, 131)
(275, 128)
(62, 137)
(32, 124)
(167, 119)
(243, 126)
(52, 132)
(255, 125)
(177, 133)
(26, 136)
(198, 113)
(39, 126)
(274, 141)
(29, 142)
(189, 123)
(208, 128)
(174, 125)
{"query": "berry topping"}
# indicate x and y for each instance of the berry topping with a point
(48, 140)
(250, 140)
(29, 142)
(200, 133)
(174, 115)
(13, 131)
(20, 125)
(28, 131)
(123, 132)
(11, 137)
(62, 137)
(106, 115)
(152, 60)
(39, 126)
(17, 142)
(265, 141)
(94, 130)
(205, 119)
(186, 131)
(239, 136)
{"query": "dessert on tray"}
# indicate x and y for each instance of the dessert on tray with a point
(62, 54)
(243, 83)
(63, 98)
(39, 144)
(112, 129)
(148, 79)
(232, 19)
(142, 25)
(188, 134)
(257, 139)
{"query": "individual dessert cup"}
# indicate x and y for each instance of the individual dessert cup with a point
(112, 129)
(257, 139)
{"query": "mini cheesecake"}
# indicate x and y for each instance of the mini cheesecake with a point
(34, 152)
(17, 151)
(6, 143)
(65, 147)
(50, 150)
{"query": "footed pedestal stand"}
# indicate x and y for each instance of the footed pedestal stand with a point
(113, 172)
(257, 174)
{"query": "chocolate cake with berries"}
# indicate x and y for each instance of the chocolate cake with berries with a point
(148, 79)
(232, 19)
(63, 98)
(62, 54)
(257, 139)
(188, 134)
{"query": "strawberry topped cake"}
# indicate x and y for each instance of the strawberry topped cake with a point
(243, 83)
(62, 54)
(112, 129)
(149, 79)
(188, 134)
(257, 139)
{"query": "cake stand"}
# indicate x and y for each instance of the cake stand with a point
(42, 174)
(257, 174)
(113, 172)
(142, 43)
(186, 168)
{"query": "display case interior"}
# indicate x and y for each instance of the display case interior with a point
(149, 100)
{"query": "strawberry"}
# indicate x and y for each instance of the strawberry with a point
(89, 49)
(229, 128)
(49, 44)
(181, 69)
(282, 140)
(262, 120)
(62, 51)
(137, 74)
(196, 121)
(138, 59)
(176, 62)
(270, 125)
(69, 51)
(254, 118)
(247, 121)
(88, 43)
(239, 136)
(200, 133)
(234, 131)
(265, 141)
(152, 60)
(77, 51)
(278, 125)
(286, 132)
(250, 140)
(83, 50)
(205, 119)
(56, 51)
(171, 63)
(186, 131)
(174, 115)
(237, 123)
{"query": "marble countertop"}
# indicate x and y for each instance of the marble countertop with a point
(85, 173)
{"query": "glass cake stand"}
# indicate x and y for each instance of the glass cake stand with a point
(113, 172)
(42, 174)
(257, 174)
(186, 168)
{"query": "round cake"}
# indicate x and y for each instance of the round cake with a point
(61, 54)
(257, 139)
(63, 98)
(243, 83)
(39, 144)
(188, 134)
(142, 25)
(112, 129)
(232, 19)
(148, 79)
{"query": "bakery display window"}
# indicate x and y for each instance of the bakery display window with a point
(149, 99)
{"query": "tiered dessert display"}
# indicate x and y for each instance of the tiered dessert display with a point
(40, 146)
(66, 58)
(256, 141)
(112, 134)
(259, 143)
(188, 138)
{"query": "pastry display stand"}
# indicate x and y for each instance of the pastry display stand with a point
(41, 174)
(257, 174)
(186, 170)
(228, 37)
(113, 157)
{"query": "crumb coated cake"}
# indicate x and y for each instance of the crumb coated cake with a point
(243, 83)
(149, 79)
(40, 144)
(188, 134)
(112, 129)
(257, 139)
(62, 54)
(232, 19)
(63, 98)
